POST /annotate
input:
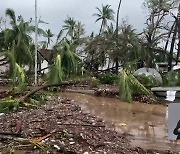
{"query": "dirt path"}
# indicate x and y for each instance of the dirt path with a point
(70, 131)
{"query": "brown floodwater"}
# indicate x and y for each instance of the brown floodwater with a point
(145, 124)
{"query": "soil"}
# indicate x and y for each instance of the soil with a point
(65, 129)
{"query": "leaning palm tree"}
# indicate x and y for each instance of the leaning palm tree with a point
(18, 37)
(129, 85)
(104, 15)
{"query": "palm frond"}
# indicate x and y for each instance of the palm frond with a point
(125, 87)
(139, 86)
(19, 79)
(129, 85)
(56, 73)
(11, 14)
(18, 74)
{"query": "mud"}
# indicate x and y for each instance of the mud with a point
(145, 125)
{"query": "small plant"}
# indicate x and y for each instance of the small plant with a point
(94, 83)
(9, 105)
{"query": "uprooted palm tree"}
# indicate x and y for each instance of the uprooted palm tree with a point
(128, 85)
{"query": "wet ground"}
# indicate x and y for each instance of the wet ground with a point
(144, 124)
(61, 127)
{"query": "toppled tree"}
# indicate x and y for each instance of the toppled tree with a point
(128, 85)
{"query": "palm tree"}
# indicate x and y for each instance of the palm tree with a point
(78, 31)
(105, 14)
(48, 35)
(117, 26)
(69, 59)
(18, 38)
(69, 26)
(117, 20)
(74, 30)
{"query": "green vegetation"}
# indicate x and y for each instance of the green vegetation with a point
(108, 78)
(172, 79)
(129, 85)
(56, 72)
(148, 81)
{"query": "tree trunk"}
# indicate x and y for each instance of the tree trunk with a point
(172, 48)
(178, 53)
(169, 35)
(45, 86)
(117, 65)
(117, 19)
(117, 26)
(101, 28)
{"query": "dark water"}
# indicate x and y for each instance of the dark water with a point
(146, 124)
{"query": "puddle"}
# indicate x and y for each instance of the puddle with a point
(145, 123)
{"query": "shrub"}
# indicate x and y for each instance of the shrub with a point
(148, 81)
(108, 78)
(171, 79)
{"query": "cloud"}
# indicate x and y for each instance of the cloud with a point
(55, 12)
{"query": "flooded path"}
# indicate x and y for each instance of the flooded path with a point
(144, 124)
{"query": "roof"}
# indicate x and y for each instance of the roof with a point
(45, 53)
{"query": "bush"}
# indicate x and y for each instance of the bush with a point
(148, 81)
(171, 79)
(108, 78)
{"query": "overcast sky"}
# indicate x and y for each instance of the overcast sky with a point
(55, 12)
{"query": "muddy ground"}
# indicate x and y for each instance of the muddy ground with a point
(65, 129)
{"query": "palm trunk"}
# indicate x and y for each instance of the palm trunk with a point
(101, 28)
(117, 19)
(117, 26)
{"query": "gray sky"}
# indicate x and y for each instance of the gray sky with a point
(56, 11)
